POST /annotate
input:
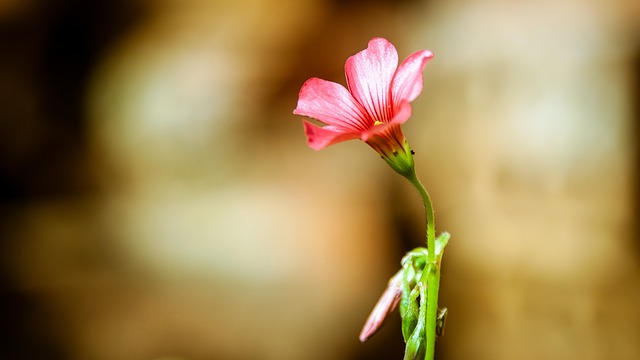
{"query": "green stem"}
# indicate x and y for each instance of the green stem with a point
(433, 285)
(428, 208)
(432, 268)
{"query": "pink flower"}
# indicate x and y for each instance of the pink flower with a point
(373, 108)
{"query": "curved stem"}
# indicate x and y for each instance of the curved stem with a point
(428, 208)
(432, 267)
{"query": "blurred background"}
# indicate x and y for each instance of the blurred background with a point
(158, 200)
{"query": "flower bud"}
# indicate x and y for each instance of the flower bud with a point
(385, 305)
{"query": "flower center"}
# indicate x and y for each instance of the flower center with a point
(377, 122)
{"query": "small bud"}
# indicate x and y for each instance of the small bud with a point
(385, 305)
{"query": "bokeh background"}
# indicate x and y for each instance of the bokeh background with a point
(158, 200)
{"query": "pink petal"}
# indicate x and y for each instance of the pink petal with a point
(407, 81)
(369, 74)
(319, 138)
(385, 305)
(402, 115)
(332, 104)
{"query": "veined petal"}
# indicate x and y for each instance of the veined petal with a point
(407, 81)
(332, 104)
(319, 138)
(402, 115)
(369, 74)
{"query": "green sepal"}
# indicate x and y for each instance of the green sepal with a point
(416, 344)
(412, 265)
(411, 314)
(401, 160)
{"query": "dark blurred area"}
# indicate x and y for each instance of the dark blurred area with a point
(158, 201)
(49, 51)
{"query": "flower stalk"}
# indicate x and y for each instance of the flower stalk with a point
(428, 208)
(432, 269)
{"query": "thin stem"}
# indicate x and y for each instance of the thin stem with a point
(433, 286)
(432, 268)
(428, 208)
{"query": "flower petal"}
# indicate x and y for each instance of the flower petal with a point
(407, 81)
(402, 115)
(369, 74)
(319, 138)
(332, 104)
